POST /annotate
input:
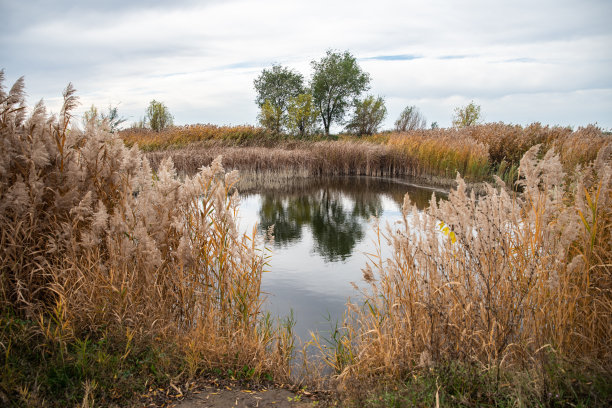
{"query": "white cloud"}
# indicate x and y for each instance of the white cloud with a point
(553, 57)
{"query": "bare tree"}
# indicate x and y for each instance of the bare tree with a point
(410, 119)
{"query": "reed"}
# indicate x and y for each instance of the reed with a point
(253, 149)
(178, 136)
(115, 275)
(476, 152)
(320, 159)
(513, 291)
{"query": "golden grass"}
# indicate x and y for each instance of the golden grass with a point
(178, 136)
(96, 245)
(477, 152)
(505, 282)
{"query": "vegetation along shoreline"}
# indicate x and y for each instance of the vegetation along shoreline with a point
(123, 270)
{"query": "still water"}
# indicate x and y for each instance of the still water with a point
(322, 234)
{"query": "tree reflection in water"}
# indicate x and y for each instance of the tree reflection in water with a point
(336, 211)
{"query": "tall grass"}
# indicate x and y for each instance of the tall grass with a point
(443, 153)
(325, 158)
(104, 262)
(515, 289)
(178, 136)
(477, 153)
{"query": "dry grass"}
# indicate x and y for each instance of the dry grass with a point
(178, 136)
(95, 246)
(476, 152)
(504, 283)
(319, 159)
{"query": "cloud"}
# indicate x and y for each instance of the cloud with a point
(201, 57)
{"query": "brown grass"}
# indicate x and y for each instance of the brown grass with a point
(476, 152)
(96, 245)
(504, 283)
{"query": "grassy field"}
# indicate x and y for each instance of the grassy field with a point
(477, 153)
(119, 278)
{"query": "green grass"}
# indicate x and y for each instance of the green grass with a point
(456, 385)
(55, 371)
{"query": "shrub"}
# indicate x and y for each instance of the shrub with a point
(368, 116)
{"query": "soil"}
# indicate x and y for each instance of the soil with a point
(224, 393)
(212, 397)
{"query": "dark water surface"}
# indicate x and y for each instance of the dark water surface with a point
(322, 232)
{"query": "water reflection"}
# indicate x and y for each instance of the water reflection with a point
(322, 232)
(336, 211)
(336, 224)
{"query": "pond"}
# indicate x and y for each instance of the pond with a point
(322, 234)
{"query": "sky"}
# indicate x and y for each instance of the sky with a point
(547, 61)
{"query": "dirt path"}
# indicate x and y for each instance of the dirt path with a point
(223, 393)
(212, 397)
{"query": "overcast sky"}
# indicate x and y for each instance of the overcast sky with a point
(522, 61)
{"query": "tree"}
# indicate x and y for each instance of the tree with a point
(91, 117)
(109, 121)
(158, 116)
(301, 115)
(410, 119)
(112, 119)
(337, 81)
(271, 117)
(275, 87)
(468, 115)
(368, 116)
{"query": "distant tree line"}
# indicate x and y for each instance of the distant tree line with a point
(157, 117)
(287, 104)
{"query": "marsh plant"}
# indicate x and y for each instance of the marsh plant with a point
(99, 250)
(513, 289)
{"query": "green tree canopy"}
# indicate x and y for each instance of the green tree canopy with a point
(337, 81)
(468, 115)
(410, 119)
(368, 116)
(301, 115)
(277, 85)
(271, 117)
(158, 116)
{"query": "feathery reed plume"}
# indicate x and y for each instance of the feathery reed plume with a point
(502, 282)
(95, 243)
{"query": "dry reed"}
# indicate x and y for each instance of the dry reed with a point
(505, 282)
(94, 244)
(319, 159)
(476, 152)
